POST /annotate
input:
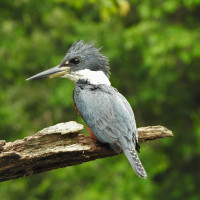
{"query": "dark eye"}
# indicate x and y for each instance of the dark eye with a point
(75, 61)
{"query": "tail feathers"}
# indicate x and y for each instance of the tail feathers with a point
(135, 162)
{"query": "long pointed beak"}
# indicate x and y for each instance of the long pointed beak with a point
(51, 73)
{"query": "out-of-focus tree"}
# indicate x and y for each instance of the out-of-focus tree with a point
(153, 48)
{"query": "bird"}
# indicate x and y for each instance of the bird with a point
(106, 112)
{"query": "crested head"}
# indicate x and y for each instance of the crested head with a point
(82, 62)
(86, 63)
(89, 55)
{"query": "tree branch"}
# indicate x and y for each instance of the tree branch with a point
(59, 146)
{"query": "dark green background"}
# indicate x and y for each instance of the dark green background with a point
(154, 52)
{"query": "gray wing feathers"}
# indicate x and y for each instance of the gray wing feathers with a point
(128, 107)
(111, 119)
(98, 111)
(97, 115)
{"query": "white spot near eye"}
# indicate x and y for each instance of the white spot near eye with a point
(67, 62)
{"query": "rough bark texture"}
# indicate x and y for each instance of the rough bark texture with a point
(59, 146)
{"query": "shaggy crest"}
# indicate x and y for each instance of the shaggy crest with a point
(87, 50)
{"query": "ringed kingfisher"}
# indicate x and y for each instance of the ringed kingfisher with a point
(107, 114)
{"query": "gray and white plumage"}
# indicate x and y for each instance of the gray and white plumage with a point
(110, 118)
(107, 113)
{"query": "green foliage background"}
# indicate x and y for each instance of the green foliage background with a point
(154, 51)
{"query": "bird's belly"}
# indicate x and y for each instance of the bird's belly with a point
(90, 132)
(76, 108)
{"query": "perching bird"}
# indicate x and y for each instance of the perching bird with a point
(108, 115)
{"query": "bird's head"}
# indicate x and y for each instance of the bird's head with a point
(82, 62)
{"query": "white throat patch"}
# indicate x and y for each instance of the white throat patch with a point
(93, 77)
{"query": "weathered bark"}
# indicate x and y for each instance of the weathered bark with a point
(59, 146)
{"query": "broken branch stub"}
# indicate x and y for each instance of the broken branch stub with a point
(59, 146)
